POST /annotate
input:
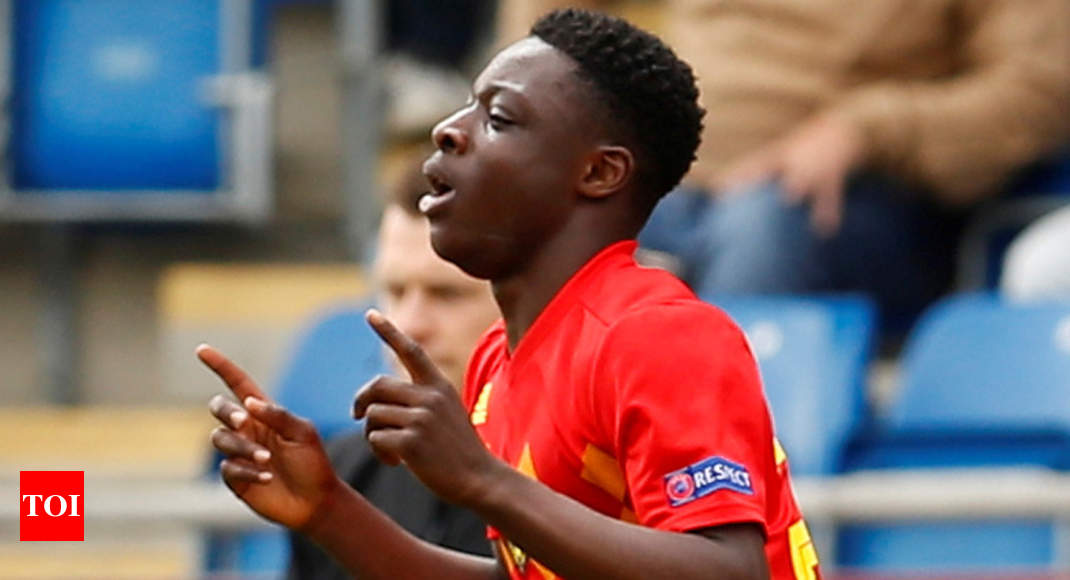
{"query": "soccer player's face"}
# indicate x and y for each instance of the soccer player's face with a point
(505, 174)
(429, 299)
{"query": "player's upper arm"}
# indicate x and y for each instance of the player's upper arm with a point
(746, 542)
(679, 392)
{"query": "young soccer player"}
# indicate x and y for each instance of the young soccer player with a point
(611, 424)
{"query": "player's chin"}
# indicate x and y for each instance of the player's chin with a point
(477, 255)
(449, 243)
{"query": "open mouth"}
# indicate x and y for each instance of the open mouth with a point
(441, 193)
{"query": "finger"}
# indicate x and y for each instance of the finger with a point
(409, 352)
(228, 412)
(796, 185)
(285, 423)
(387, 444)
(826, 213)
(236, 379)
(234, 446)
(384, 389)
(384, 416)
(237, 471)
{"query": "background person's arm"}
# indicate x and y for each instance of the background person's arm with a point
(1009, 104)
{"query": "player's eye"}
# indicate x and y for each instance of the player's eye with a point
(499, 122)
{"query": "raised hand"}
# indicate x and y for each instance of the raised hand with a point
(423, 423)
(275, 461)
(811, 163)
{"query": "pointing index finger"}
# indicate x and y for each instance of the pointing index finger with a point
(236, 379)
(409, 352)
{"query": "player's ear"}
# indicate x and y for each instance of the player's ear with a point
(608, 170)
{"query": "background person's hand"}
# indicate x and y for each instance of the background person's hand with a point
(423, 423)
(811, 164)
(275, 461)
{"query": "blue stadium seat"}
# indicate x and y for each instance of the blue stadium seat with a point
(100, 104)
(1036, 190)
(261, 553)
(813, 353)
(334, 356)
(337, 354)
(952, 547)
(125, 109)
(985, 384)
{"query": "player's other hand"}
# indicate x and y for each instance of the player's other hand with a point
(423, 423)
(274, 461)
(811, 164)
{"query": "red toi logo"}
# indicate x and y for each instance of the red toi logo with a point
(51, 506)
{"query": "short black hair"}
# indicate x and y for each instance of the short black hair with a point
(650, 93)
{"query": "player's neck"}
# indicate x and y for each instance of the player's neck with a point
(524, 295)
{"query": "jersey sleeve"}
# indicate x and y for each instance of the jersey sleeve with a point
(686, 417)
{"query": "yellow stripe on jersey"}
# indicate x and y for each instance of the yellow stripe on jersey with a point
(526, 465)
(602, 469)
(803, 555)
(516, 559)
(778, 453)
(479, 412)
(546, 573)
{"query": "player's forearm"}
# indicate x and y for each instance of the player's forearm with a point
(370, 545)
(577, 542)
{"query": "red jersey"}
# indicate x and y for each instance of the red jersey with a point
(633, 397)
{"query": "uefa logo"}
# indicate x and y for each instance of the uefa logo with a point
(679, 487)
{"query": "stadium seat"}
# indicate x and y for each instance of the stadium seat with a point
(131, 109)
(335, 356)
(92, 95)
(985, 384)
(984, 380)
(1038, 189)
(813, 354)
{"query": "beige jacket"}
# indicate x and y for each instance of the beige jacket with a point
(951, 94)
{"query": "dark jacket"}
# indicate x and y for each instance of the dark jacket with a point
(396, 492)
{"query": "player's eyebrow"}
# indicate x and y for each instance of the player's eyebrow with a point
(499, 86)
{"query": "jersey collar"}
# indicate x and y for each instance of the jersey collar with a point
(614, 255)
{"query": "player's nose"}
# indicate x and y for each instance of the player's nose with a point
(449, 136)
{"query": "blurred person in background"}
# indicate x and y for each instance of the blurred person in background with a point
(429, 47)
(1037, 264)
(445, 311)
(846, 141)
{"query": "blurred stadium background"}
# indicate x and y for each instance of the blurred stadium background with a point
(180, 171)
